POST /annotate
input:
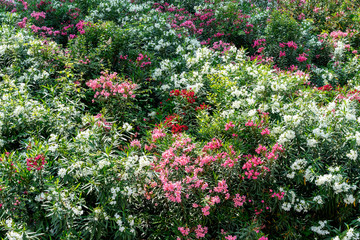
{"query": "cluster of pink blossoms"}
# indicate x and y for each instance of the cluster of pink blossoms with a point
(261, 125)
(302, 57)
(22, 24)
(36, 163)
(282, 54)
(179, 176)
(229, 125)
(135, 143)
(200, 231)
(37, 15)
(289, 44)
(254, 165)
(107, 85)
(157, 133)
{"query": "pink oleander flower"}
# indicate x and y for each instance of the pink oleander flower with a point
(135, 143)
(229, 125)
(260, 49)
(338, 34)
(265, 131)
(260, 149)
(36, 163)
(22, 24)
(239, 200)
(230, 237)
(37, 15)
(184, 231)
(259, 42)
(301, 16)
(205, 210)
(292, 44)
(279, 195)
(25, 4)
(188, 24)
(201, 231)
(282, 54)
(302, 57)
(107, 85)
(222, 187)
(214, 144)
(157, 133)
(250, 123)
(35, 28)
(316, 10)
(214, 200)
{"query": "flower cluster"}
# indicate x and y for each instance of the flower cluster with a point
(37, 163)
(188, 94)
(109, 85)
(102, 134)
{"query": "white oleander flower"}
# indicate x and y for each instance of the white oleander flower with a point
(14, 236)
(78, 210)
(290, 175)
(127, 127)
(351, 235)
(352, 155)
(299, 164)
(318, 200)
(349, 199)
(311, 142)
(286, 206)
(323, 179)
(319, 229)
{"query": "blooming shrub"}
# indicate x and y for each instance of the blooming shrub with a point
(107, 86)
(179, 119)
(210, 183)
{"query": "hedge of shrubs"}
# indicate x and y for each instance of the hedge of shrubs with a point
(179, 119)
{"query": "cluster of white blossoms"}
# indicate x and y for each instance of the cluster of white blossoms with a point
(350, 235)
(11, 235)
(135, 164)
(298, 165)
(294, 120)
(336, 181)
(42, 197)
(62, 172)
(318, 200)
(319, 229)
(120, 223)
(127, 127)
(299, 205)
(52, 143)
(114, 192)
(102, 163)
(349, 199)
(77, 210)
(352, 155)
(311, 142)
(99, 213)
(286, 136)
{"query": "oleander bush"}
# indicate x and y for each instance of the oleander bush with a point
(178, 120)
